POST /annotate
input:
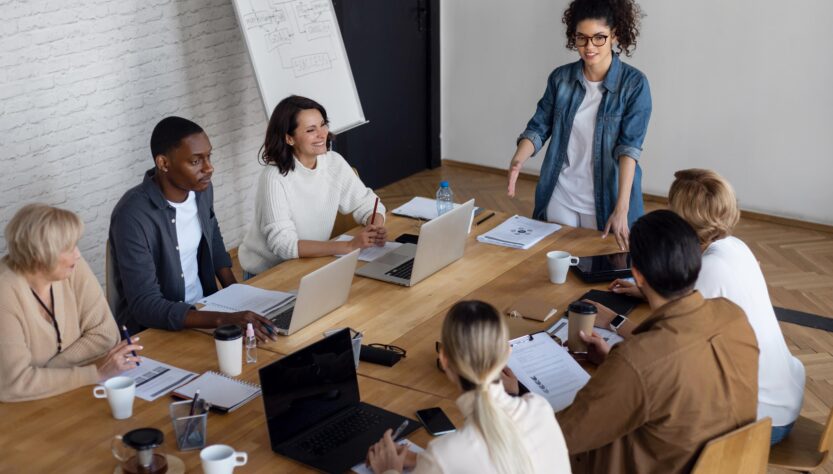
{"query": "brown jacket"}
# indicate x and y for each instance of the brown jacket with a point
(688, 374)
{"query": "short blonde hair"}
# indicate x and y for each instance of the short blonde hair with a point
(36, 236)
(707, 201)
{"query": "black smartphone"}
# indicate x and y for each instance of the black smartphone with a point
(435, 421)
(408, 239)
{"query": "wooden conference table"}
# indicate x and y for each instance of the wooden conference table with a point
(72, 432)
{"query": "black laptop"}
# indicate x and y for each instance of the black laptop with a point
(608, 267)
(313, 409)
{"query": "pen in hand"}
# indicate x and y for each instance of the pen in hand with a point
(399, 430)
(126, 335)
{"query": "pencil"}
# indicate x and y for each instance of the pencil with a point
(375, 206)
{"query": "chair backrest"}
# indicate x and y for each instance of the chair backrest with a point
(827, 434)
(343, 222)
(109, 279)
(745, 449)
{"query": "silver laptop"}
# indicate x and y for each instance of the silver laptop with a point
(441, 241)
(320, 292)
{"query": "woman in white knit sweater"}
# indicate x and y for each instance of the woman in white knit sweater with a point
(300, 191)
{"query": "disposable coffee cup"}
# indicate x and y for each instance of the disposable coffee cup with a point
(581, 317)
(558, 262)
(229, 343)
(221, 459)
(119, 392)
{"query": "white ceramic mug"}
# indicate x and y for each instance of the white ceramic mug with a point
(558, 262)
(221, 459)
(119, 392)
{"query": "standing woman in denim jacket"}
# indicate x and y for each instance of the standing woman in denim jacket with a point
(595, 112)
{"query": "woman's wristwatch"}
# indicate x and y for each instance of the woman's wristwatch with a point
(617, 322)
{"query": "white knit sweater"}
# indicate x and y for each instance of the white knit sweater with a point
(302, 206)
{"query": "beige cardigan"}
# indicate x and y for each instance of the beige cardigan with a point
(30, 367)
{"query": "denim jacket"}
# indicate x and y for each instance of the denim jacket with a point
(621, 124)
(144, 257)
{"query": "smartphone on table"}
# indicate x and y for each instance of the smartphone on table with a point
(435, 421)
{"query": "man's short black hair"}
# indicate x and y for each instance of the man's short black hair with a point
(169, 132)
(666, 250)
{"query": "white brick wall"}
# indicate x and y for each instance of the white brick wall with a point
(82, 84)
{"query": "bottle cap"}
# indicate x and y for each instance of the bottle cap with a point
(250, 330)
(443, 184)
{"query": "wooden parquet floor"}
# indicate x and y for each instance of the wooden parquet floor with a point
(797, 264)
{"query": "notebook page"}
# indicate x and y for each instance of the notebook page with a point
(218, 390)
(547, 369)
(241, 297)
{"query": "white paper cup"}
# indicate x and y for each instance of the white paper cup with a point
(229, 343)
(119, 392)
(558, 263)
(221, 459)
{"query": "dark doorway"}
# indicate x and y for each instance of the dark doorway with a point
(393, 46)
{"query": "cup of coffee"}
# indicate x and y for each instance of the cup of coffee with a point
(558, 262)
(119, 392)
(229, 343)
(221, 459)
(580, 317)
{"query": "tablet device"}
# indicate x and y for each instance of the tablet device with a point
(609, 267)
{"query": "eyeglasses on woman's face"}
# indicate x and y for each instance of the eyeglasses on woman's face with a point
(597, 40)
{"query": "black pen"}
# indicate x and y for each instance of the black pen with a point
(485, 218)
(127, 336)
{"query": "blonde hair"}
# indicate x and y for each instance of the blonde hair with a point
(475, 342)
(36, 236)
(707, 201)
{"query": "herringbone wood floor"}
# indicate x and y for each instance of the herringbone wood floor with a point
(797, 263)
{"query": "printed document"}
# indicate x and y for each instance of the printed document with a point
(155, 379)
(360, 468)
(371, 253)
(518, 232)
(547, 369)
(240, 297)
(559, 330)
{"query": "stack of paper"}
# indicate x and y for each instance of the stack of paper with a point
(239, 297)
(371, 253)
(419, 208)
(518, 232)
(154, 379)
(547, 369)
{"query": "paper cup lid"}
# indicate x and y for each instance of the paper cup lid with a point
(228, 333)
(580, 307)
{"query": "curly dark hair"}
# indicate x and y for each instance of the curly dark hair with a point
(622, 16)
(275, 151)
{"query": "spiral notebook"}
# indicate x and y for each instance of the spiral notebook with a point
(222, 392)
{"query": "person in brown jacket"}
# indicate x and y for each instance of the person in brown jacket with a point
(688, 374)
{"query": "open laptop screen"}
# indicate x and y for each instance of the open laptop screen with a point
(306, 387)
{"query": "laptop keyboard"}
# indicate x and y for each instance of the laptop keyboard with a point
(402, 271)
(282, 319)
(333, 435)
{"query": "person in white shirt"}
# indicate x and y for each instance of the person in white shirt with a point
(300, 191)
(730, 270)
(501, 433)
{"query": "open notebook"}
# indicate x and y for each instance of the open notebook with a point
(222, 392)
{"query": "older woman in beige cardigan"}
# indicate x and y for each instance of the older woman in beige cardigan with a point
(56, 330)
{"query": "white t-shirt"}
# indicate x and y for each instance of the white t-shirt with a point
(188, 236)
(574, 188)
(731, 270)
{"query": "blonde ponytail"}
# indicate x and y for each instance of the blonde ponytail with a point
(475, 342)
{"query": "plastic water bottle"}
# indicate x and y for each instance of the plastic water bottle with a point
(445, 198)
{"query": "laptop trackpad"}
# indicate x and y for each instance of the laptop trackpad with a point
(392, 258)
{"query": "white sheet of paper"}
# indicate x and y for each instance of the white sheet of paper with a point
(241, 297)
(360, 468)
(547, 369)
(518, 232)
(371, 253)
(155, 379)
(419, 208)
(559, 330)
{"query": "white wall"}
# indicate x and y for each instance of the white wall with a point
(84, 83)
(742, 87)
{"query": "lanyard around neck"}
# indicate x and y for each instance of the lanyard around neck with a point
(51, 313)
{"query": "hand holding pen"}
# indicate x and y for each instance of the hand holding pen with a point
(119, 359)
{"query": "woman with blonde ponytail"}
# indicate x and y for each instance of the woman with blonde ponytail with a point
(502, 434)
